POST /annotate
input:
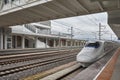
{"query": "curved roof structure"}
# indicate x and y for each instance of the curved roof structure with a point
(55, 9)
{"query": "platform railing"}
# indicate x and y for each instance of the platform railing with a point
(36, 30)
(9, 4)
(31, 27)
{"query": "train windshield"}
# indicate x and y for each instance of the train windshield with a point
(95, 45)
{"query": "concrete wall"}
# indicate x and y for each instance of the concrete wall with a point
(40, 44)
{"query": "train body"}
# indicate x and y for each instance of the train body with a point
(93, 51)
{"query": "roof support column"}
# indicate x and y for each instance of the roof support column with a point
(5, 41)
(74, 43)
(71, 43)
(1, 39)
(78, 43)
(54, 43)
(66, 43)
(23, 42)
(46, 42)
(61, 43)
(15, 41)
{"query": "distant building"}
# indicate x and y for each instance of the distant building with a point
(35, 35)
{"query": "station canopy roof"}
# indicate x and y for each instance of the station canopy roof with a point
(55, 9)
(114, 21)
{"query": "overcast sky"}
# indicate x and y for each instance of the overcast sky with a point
(85, 27)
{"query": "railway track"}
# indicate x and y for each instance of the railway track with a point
(4, 60)
(47, 62)
(32, 50)
(18, 64)
(25, 67)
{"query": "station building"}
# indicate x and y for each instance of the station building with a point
(35, 35)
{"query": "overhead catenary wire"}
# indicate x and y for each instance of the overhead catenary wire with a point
(68, 26)
(78, 30)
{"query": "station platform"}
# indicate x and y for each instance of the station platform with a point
(112, 70)
(116, 72)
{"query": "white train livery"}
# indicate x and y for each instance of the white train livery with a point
(93, 51)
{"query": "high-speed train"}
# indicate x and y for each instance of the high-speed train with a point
(93, 50)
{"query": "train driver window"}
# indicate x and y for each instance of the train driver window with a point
(90, 45)
(97, 44)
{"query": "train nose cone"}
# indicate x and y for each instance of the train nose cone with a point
(84, 59)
